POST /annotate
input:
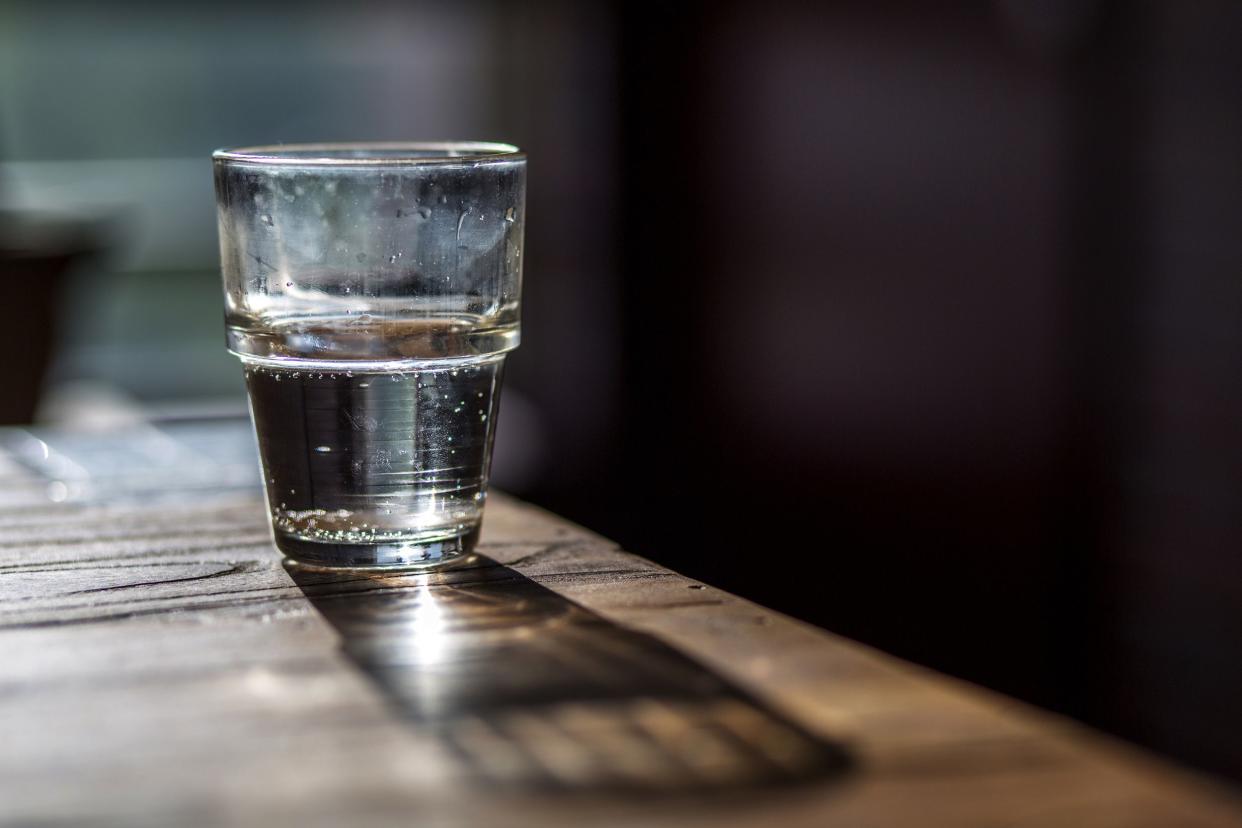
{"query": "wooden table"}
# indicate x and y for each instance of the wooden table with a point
(159, 666)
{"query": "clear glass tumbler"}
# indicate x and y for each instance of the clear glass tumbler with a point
(372, 292)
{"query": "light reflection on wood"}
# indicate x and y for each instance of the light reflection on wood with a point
(530, 689)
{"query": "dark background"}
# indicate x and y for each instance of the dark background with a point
(920, 322)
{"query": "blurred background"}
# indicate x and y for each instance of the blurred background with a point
(920, 322)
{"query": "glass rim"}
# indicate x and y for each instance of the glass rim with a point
(371, 154)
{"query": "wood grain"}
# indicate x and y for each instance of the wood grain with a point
(159, 666)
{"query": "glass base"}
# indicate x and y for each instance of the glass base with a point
(387, 556)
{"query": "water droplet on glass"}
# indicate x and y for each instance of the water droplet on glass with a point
(424, 212)
(362, 257)
(443, 199)
(288, 284)
(267, 219)
(323, 449)
(393, 258)
(510, 214)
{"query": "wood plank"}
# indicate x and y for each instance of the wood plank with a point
(159, 666)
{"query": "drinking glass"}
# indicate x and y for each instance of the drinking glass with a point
(372, 292)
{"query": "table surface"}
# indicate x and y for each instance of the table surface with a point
(159, 666)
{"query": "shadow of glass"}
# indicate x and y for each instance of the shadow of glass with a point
(527, 688)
